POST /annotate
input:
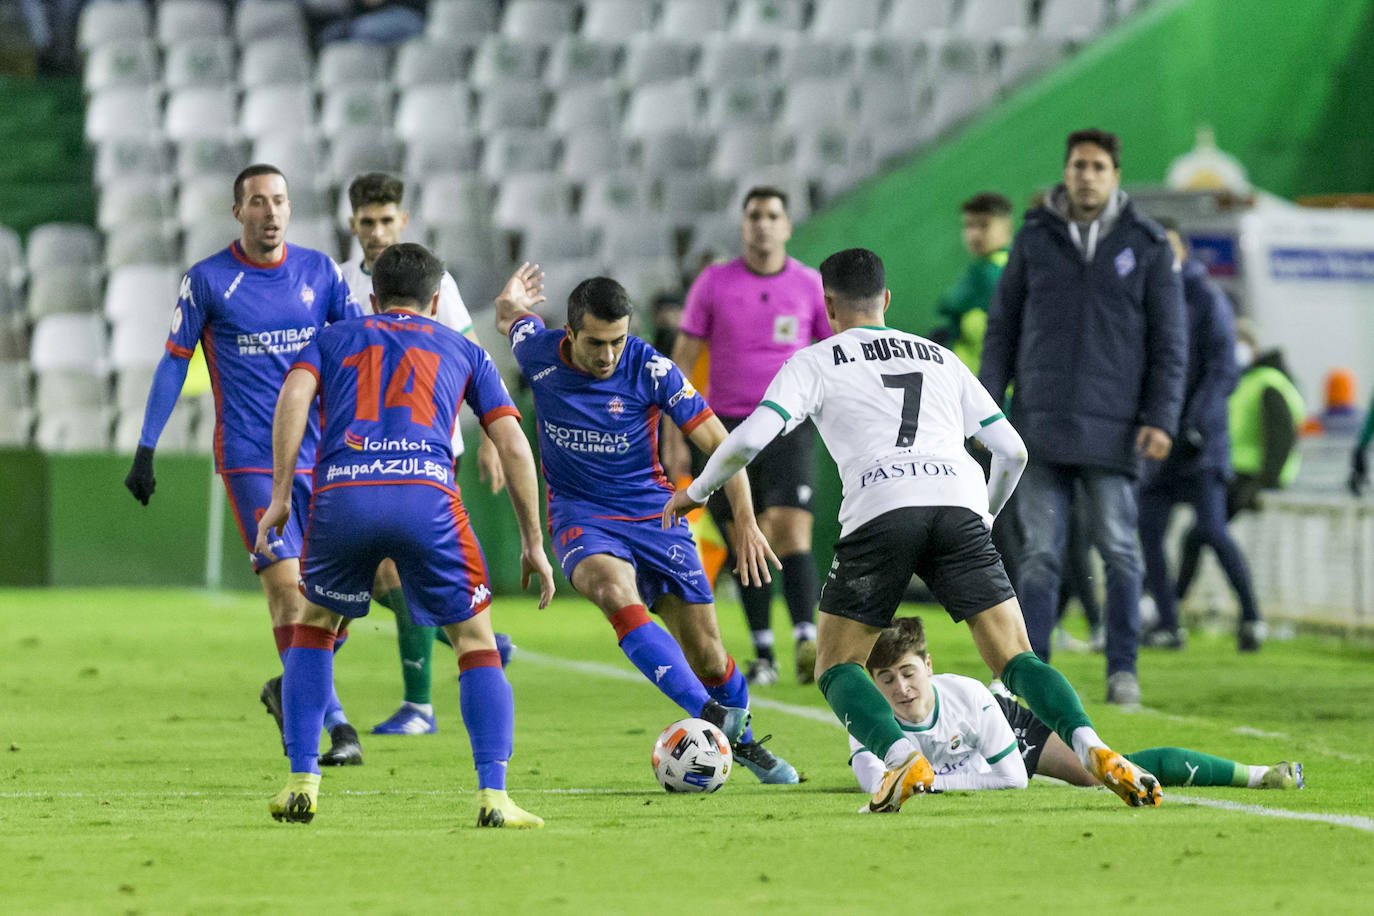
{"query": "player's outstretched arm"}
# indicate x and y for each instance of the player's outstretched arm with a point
(168, 378)
(522, 292)
(288, 428)
(677, 457)
(522, 485)
(1008, 461)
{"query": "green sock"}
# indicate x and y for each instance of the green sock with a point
(1048, 694)
(442, 635)
(416, 644)
(1178, 766)
(861, 707)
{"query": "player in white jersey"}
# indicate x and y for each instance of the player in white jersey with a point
(977, 739)
(377, 222)
(894, 410)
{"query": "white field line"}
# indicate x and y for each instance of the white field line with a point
(1252, 732)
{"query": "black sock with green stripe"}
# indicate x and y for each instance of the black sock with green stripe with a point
(861, 707)
(1178, 766)
(416, 645)
(1048, 694)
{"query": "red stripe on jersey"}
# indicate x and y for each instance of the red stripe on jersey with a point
(178, 352)
(471, 552)
(384, 483)
(626, 518)
(651, 418)
(497, 413)
(479, 658)
(706, 414)
(238, 519)
(304, 636)
(207, 343)
(308, 368)
(236, 249)
(628, 619)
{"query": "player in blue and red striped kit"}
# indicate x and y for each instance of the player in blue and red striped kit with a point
(252, 308)
(389, 390)
(598, 393)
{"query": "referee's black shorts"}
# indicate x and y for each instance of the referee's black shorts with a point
(783, 474)
(949, 547)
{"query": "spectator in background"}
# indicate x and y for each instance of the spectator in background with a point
(1197, 468)
(1087, 322)
(376, 22)
(964, 306)
(1265, 413)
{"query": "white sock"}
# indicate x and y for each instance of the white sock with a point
(897, 754)
(1084, 740)
(1256, 774)
(804, 630)
(423, 708)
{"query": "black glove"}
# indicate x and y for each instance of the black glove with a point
(1359, 472)
(140, 481)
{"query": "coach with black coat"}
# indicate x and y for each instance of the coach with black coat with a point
(1087, 326)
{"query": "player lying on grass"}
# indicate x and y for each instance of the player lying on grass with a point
(977, 739)
(389, 390)
(893, 410)
(598, 393)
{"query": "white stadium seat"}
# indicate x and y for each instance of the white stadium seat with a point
(126, 62)
(588, 152)
(69, 341)
(537, 22)
(347, 62)
(586, 106)
(202, 61)
(358, 150)
(654, 58)
(356, 105)
(133, 197)
(76, 430)
(63, 291)
(518, 149)
(525, 199)
(609, 198)
(273, 62)
(769, 17)
(255, 20)
(574, 59)
(918, 18)
(663, 107)
(840, 18)
(202, 155)
(104, 21)
(612, 20)
(692, 19)
(179, 20)
(201, 112)
(125, 111)
(463, 21)
(269, 110)
(140, 242)
(434, 111)
(62, 245)
(501, 60)
(511, 105)
(427, 61)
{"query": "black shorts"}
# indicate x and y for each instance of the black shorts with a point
(1031, 733)
(783, 474)
(949, 547)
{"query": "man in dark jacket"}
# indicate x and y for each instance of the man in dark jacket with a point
(1087, 323)
(1197, 469)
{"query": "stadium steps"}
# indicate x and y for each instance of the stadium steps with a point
(45, 174)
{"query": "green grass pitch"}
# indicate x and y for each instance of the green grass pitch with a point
(138, 762)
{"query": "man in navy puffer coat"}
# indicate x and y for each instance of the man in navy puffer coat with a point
(1088, 327)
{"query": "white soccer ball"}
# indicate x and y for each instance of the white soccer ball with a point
(692, 755)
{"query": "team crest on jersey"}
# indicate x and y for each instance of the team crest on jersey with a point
(616, 406)
(955, 742)
(1125, 262)
(786, 329)
(307, 295)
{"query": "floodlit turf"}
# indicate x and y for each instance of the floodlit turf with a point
(137, 766)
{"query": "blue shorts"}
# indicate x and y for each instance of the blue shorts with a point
(423, 528)
(250, 492)
(665, 562)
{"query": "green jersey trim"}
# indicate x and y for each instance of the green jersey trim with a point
(786, 417)
(1004, 752)
(992, 419)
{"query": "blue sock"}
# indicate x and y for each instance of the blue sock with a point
(333, 709)
(657, 655)
(488, 707)
(732, 690)
(309, 670)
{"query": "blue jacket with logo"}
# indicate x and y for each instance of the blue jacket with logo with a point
(1204, 437)
(1095, 348)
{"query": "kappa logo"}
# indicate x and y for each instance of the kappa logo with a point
(547, 370)
(185, 291)
(307, 294)
(660, 671)
(658, 366)
(521, 332)
(479, 594)
(1125, 262)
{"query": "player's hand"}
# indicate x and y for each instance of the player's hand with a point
(1153, 443)
(489, 465)
(522, 292)
(678, 504)
(754, 554)
(141, 481)
(274, 516)
(534, 563)
(1359, 472)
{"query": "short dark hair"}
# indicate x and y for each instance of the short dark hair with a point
(600, 297)
(1169, 224)
(906, 636)
(406, 272)
(764, 191)
(253, 171)
(855, 274)
(987, 203)
(375, 188)
(1107, 140)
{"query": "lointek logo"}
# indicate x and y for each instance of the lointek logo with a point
(365, 443)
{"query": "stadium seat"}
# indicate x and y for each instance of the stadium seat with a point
(209, 112)
(834, 158)
(537, 22)
(952, 101)
(1017, 60)
(525, 199)
(204, 61)
(501, 60)
(887, 60)
(61, 291)
(318, 233)
(140, 341)
(181, 20)
(511, 105)
(612, 20)
(654, 58)
(586, 106)
(645, 278)
(888, 102)
(16, 384)
(14, 339)
(356, 105)
(126, 111)
(434, 111)
(74, 430)
(726, 59)
(591, 152)
(427, 61)
(203, 155)
(637, 235)
(256, 20)
(611, 197)
(138, 291)
(663, 107)
(815, 103)
(461, 21)
(553, 240)
(1072, 20)
(346, 62)
(574, 61)
(358, 150)
(270, 110)
(689, 20)
(561, 277)
(126, 62)
(105, 21)
(917, 18)
(842, 18)
(984, 18)
(806, 58)
(459, 198)
(139, 243)
(748, 147)
(298, 156)
(177, 435)
(133, 197)
(518, 149)
(961, 58)
(274, 62)
(203, 195)
(753, 102)
(761, 18)
(428, 155)
(62, 245)
(208, 235)
(674, 150)
(685, 195)
(465, 241)
(130, 155)
(69, 341)
(131, 386)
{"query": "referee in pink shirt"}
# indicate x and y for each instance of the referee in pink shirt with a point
(753, 313)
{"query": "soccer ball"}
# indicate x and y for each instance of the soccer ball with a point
(692, 755)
